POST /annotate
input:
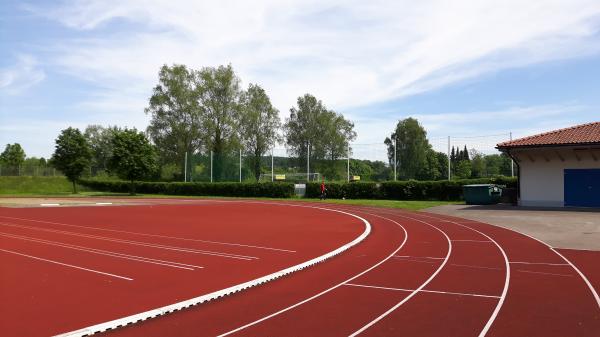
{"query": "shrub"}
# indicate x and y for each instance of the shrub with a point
(267, 189)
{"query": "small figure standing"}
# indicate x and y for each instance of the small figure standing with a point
(323, 190)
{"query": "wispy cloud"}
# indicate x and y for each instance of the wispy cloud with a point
(23, 74)
(348, 53)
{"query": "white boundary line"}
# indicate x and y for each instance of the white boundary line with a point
(422, 290)
(227, 291)
(104, 252)
(151, 235)
(587, 282)
(492, 318)
(67, 265)
(414, 292)
(330, 289)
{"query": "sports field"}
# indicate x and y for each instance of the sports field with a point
(190, 267)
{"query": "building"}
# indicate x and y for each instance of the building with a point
(558, 168)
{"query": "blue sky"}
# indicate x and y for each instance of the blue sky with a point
(470, 68)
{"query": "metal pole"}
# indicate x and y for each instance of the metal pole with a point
(308, 163)
(348, 155)
(185, 168)
(240, 165)
(272, 177)
(395, 160)
(211, 166)
(512, 163)
(448, 157)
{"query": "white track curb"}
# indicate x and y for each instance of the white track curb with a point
(121, 322)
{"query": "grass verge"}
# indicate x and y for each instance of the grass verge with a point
(32, 186)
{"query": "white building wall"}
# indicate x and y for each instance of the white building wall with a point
(542, 180)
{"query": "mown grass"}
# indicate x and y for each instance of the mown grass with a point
(32, 186)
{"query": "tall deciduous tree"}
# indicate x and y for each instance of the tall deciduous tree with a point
(100, 141)
(133, 157)
(259, 125)
(413, 147)
(311, 124)
(175, 125)
(72, 155)
(13, 156)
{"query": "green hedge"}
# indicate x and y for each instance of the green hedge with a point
(403, 190)
(267, 189)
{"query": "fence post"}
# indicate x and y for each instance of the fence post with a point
(272, 178)
(395, 160)
(512, 163)
(348, 155)
(240, 165)
(308, 163)
(211, 166)
(448, 158)
(185, 168)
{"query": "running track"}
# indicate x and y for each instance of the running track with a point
(416, 274)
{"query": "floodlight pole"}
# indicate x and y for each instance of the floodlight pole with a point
(512, 163)
(211, 166)
(185, 168)
(308, 163)
(395, 160)
(348, 155)
(448, 157)
(272, 165)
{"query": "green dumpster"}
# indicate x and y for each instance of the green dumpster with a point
(482, 194)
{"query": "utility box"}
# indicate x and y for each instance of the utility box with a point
(482, 194)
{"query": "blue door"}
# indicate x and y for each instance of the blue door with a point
(582, 187)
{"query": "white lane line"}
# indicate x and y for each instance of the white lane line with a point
(419, 257)
(540, 263)
(414, 292)
(153, 235)
(492, 318)
(470, 240)
(230, 290)
(49, 204)
(104, 252)
(136, 243)
(326, 290)
(422, 290)
(104, 203)
(543, 273)
(67, 265)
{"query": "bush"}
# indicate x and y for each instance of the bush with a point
(404, 190)
(267, 189)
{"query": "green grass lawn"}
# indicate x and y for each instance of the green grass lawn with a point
(31, 186)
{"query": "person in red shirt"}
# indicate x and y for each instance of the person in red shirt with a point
(323, 190)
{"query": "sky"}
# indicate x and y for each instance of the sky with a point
(472, 70)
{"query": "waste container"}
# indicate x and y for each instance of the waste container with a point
(482, 194)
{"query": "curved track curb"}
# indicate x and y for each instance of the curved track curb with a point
(128, 320)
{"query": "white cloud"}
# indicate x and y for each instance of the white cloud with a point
(347, 53)
(23, 74)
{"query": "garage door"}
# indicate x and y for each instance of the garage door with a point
(582, 187)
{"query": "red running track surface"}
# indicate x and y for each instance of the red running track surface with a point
(416, 274)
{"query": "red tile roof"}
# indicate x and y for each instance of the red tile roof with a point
(580, 134)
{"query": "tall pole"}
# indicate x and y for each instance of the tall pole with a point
(395, 160)
(308, 162)
(240, 165)
(272, 176)
(512, 163)
(348, 152)
(448, 157)
(185, 168)
(211, 166)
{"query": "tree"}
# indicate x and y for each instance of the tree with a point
(13, 156)
(133, 157)
(72, 155)
(220, 99)
(463, 169)
(175, 124)
(259, 125)
(100, 140)
(413, 147)
(478, 167)
(312, 126)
